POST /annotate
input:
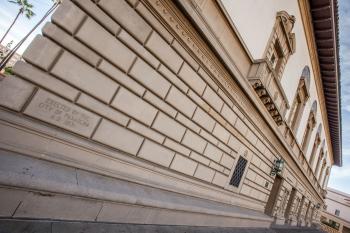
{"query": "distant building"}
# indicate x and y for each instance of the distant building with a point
(337, 211)
(16, 57)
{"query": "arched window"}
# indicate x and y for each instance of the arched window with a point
(300, 99)
(322, 170)
(316, 144)
(325, 179)
(322, 155)
(311, 122)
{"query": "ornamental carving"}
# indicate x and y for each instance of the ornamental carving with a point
(265, 74)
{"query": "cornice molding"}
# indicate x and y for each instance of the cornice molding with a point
(304, 8)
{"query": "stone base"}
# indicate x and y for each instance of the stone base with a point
(49, 226)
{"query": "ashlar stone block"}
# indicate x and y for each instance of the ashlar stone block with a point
(220, 179)
(118, 137)
(73, 70)
(14, 92)
(105, 44)
(192, 79)
(213, 99)
(134, 106)
(101, 17)
(164, 52)
(127, 17)
(203, 119)
(42, 52)
(57, 111)
(169, 127)
(194, 141)
(156, 153)
(146, 75)
(204, 173)
(68, 16)
(68, 42)
(181, 102)
(183, 165)
(113, 72)
(145, 131)
(104, 110)
(35, 75)
(138, 48)
(213, 152)
(221, 133)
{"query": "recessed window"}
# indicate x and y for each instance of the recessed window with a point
(337, 212)
(238, 172)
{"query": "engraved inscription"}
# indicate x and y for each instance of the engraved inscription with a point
(62, 113)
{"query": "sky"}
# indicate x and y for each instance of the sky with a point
(340, 177)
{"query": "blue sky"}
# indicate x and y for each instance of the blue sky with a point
(340, 177)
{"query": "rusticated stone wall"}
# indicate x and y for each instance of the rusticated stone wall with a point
(111, 74)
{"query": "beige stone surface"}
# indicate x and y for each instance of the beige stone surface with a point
(134, 106)
(118, 137)
(68, 42)
(93, 10)
(172, 78)
(9, 201)
(156, 153)
(181, 102)
(204, 173)
(187, 122)
(229, 114)
(41, 52)
(57, 111)
(221, 133)
(183, 164)
(151, 19)
(127, 18)
(22, 89)
(213, 99)
(149, 77)
(169, 127)
(194, 141)
(227, 161)
(138, 48)
(192, 79)
(113, 72)
(188, 58)
(60, 207)
(71, 69)
(146, 131)
(220, 179)
(203, 119)
(160, 104)
(176, 146)
(68, 16)
(105, 44)
(40, 78)
(102, 109)
(164, 52)
(199, 158)
(213, 152)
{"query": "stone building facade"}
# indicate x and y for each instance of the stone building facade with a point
(186, 112)
(335, 217)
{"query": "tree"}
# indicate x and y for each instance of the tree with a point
(14, 49)
(25, 8)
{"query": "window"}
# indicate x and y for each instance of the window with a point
(238, 172)
(337, 212)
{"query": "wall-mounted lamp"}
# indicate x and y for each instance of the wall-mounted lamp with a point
(277, 167)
